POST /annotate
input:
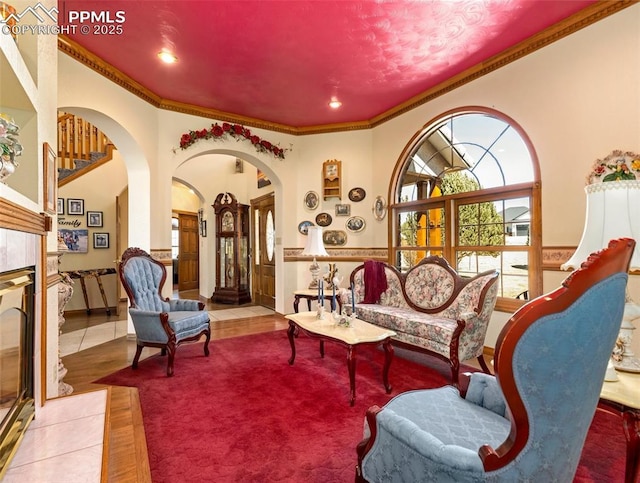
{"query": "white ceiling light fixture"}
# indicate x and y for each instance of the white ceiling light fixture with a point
(167, 57)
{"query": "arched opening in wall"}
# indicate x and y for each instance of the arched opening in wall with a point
(254, 186)
(186, 230)
(92, 147)
(467, 188)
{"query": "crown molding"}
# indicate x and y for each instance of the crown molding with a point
(579, 20)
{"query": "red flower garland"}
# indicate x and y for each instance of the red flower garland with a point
(234, 130)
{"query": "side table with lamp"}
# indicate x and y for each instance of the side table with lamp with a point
(622, 398)
(613, 211)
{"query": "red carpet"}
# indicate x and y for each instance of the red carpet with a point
(244, 415)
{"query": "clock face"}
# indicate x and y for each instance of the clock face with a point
(271, 236)
(331, 170)
(227, 221)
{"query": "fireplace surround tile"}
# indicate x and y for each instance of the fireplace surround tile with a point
(65, 439)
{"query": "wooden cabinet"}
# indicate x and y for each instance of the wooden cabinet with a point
(232, 251)
(332, 179)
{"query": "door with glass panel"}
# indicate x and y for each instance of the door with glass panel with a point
(264, 260)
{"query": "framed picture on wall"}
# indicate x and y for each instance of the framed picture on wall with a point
(343, 210)
(77, 241)
(100, 240)
(94, 219)
(61, 206)
(75, 206)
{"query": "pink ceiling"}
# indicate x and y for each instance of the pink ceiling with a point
(282, 61)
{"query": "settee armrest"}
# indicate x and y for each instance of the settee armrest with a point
(484, 391)
(184, 305)
(466, 316)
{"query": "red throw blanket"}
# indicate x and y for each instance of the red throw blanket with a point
(375, 281)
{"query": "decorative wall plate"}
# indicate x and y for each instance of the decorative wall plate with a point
(335, 238)
(355, 224)
(357, 194)
(311, 200)
(303, 226)
(323, 219)
(379, 208)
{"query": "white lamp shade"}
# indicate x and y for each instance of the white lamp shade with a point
(314, 246)
(613, 211)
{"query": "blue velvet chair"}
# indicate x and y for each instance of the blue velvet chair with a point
(159, 322)
(529, 421)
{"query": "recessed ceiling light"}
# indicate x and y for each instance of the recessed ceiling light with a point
(167, 57)
(335, 104)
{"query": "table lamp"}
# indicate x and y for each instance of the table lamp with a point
(613, 211)
(314, 248)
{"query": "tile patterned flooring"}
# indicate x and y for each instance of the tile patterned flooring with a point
(48, 454)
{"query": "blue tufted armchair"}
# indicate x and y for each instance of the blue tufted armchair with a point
(159, 322)
(529, 421)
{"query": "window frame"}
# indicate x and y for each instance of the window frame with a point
(531, 190)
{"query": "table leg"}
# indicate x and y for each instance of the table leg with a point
(291, 333)
(309, 304)
(351, 364)
(631, 422)
(104, 296)
(296, 302)
(84, 293)
(388, 357)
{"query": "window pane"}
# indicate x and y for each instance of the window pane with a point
(480, 224)
(514, 158)
(513, 268)
(410, 258)
(421, 228)
(515, 275)
(517, 220)
(486, 146)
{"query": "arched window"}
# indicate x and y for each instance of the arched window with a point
(467, 187)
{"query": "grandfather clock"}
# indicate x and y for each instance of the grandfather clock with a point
(232, 251)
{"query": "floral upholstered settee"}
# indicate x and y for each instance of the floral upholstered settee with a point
(431, 308)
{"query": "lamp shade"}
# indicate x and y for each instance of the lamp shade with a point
(613, 211)
(314, 246)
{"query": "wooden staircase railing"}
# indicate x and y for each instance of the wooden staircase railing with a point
(79, 140)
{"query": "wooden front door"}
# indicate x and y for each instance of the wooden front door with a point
(264, 260)
(188, 258)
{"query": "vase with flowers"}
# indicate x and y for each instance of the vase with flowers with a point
(10, 147)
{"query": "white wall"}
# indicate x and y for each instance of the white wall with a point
(578, 99)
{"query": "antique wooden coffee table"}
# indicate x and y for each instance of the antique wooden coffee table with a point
(360, 333)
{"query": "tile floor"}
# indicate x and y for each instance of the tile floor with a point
(47, 453)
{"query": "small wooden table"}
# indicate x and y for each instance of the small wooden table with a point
(622, 397)
(360, 333)
(309, 295)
